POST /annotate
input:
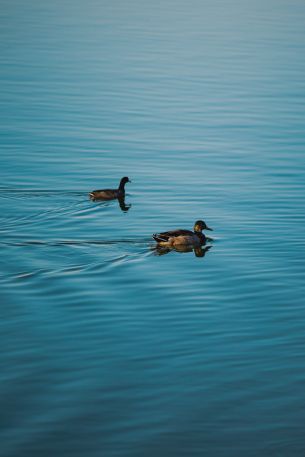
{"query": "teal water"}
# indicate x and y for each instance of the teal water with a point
(109, 349)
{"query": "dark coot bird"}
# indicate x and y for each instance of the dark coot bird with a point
(110, 194)
(180, 237)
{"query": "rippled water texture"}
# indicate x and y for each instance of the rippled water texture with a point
(109, 347)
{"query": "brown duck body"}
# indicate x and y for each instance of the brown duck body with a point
(106, 194)
(110, 194)
(182, 237)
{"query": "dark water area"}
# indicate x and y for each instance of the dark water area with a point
(109, 349)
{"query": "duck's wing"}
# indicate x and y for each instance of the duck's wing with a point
(165, 236)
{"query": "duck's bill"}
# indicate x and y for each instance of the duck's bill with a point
(208, 228)
(129, 180)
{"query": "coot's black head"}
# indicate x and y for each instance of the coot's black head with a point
(124, 181)
(200, 225)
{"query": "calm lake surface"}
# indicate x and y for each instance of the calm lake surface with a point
(109, 349)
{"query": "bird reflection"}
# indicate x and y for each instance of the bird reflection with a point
(199, 251)
(122, 204)
(121, 201)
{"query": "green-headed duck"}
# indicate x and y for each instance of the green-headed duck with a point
(183, 237)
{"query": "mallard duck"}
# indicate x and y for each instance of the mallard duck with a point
(183, 237)
(110, 194)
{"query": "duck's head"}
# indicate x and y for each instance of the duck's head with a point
(201, 225)
(124, 181)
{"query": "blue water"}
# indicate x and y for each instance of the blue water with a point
(109, 349)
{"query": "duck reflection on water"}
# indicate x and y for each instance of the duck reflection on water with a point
(199, 251)
(121, 201)
(123, 205)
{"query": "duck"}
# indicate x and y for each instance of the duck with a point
(110, 194)
(181, 237)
